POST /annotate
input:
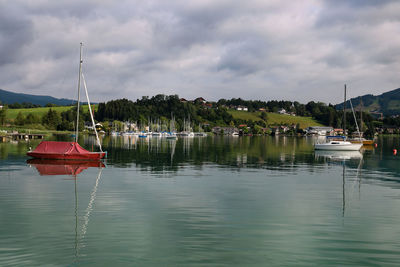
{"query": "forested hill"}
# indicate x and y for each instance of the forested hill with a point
(388, 103)
(7, 97)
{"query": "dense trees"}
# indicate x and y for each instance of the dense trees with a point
(23, 105)
(162, 106)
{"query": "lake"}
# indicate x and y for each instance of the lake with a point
(207, 201)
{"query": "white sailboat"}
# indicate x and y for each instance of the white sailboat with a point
(339, 142)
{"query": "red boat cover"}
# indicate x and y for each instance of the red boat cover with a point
(56, 147)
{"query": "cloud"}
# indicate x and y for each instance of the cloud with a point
(303, 50)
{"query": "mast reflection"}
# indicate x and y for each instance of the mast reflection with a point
(72, 168)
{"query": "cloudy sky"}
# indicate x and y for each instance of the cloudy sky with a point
(255, 49)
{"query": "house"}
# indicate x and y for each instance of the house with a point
(242, 108)
(225, 130)
(183, 100)
(320, 130)
(200, 100)
(284, 128)
(262, 109)
(282, 111)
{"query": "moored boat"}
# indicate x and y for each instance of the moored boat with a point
(64, 150)
(70, 150)
(341, 143)
(362, 141)
(337, 143)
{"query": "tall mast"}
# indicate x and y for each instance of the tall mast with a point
(79, 94)
(361, 117)
(344, 111)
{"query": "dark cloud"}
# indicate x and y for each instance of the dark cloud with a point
(15, 33)
(297, 50)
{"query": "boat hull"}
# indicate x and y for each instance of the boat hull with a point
(86, 156)
(345, 146)
(364, 142)
(64, 151)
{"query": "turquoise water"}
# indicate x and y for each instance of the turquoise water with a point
(251, 201)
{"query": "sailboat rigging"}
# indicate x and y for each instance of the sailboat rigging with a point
(340, 142)
(70, 150)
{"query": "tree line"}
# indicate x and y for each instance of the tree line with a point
(167, 107)
(216, 113)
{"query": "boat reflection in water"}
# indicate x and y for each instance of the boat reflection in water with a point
(341, 158)
(338, 155)
(72, 168)
(63, 167)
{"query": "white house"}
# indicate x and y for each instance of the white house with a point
(282, 111)
(319, 130)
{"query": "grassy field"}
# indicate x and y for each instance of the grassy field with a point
(275, 118)
(12, 113)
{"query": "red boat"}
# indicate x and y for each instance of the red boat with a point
(70, 150)
(64, 150)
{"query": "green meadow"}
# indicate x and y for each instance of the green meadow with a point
(12, 113)
(275, 118)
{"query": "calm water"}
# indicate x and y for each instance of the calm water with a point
(256, 201)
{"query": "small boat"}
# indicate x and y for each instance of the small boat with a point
(142, 135)
(338, 143)
(64, 150)
(171, 136)
(364, 141)
(70, 150)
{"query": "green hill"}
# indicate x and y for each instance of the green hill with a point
(387, 103)
(275, 118)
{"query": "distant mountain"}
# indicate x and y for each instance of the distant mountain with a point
(7, 97)
(387, 103)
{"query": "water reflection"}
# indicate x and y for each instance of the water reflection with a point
(72, 168)
(158, 154)
(63, 167)
(338, 155)
(162, 154)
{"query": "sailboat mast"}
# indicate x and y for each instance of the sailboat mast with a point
(344, 111)
(361, 117)
(79, 93)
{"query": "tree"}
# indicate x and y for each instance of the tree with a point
(264, 116)
(51, 119)
(31, 119)
(20, 119)
(3, 115)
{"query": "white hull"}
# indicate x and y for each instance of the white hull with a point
(338, 146)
